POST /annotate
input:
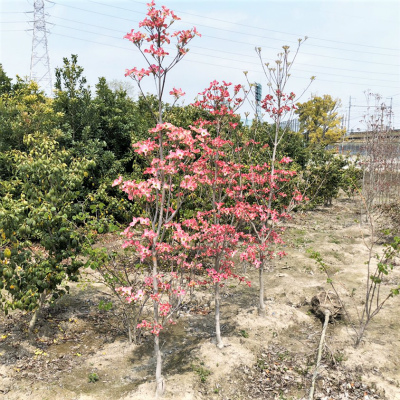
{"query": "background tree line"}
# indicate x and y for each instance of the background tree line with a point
(59, 156)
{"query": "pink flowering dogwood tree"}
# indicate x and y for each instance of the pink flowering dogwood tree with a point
(169, 151)
(219, 171)
(169, 182)
(212, 234)
(266, 199)
(271, 192)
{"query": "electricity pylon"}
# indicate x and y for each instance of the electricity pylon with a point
(40, 71)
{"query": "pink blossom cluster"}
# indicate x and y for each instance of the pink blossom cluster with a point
(279, 105)
(177, 93)
(154, 327)
(218, 101)
(156, 34)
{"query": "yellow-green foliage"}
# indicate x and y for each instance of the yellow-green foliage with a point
(24, 111)
(319, 120)
(40, 241)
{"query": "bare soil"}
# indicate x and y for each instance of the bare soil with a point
(271, 357)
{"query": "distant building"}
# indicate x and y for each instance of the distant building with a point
(246, 121)
(292, 124)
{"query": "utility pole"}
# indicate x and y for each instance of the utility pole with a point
(343, 121)
(258, 95)
(40, 63)
(348, 121)
(390, 113)
(383, 108)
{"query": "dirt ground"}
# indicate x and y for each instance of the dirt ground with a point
(271, 357)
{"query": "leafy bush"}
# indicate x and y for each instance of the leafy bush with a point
(40, 242)
(325, 174)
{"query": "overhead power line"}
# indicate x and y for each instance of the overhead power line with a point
(90, 11)
(230, 52)
(221, 29)
(15, 12)
(86, 24)
(202, 56)
(312, 54)
(232, 40)
(226, 52)
(12, 22)
(214, 64)
(228, 59)
(247, 26)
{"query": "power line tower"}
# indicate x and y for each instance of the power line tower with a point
(40, 71)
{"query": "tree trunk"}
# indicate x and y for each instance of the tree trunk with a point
(160, 388)
(159, 378)
(360, 333)
(35, 315)
(220, 345)
(261, 308)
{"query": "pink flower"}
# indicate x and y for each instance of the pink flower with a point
(118, 181)
(178, 154)
(179, 292)
(155, 297)
(154, 69)
(189, 183)
(142, 221)
(143, 324)
(156, 52)
(285, 160)
(135, 38)
(155, 183)
(149, 234)
(163, 248)
(143, 251)
(145, 146)
(177, 93)
(165, 309)
(138, 74)
(125, 291)
(139, 295)
(156, 329)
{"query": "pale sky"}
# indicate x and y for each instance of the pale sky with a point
(352, 46)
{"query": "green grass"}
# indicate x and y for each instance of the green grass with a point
(202, 372)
